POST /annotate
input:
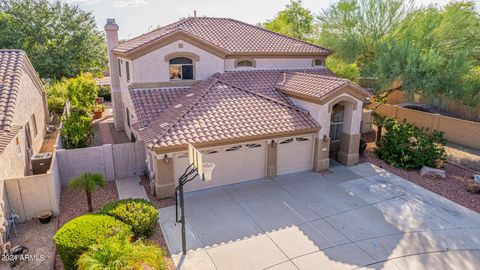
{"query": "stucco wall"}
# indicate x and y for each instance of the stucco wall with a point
(152, 67)
(13, 159)
(353, 117)
(273, 63)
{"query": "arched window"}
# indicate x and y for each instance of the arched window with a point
(245, 63)
(181, 68)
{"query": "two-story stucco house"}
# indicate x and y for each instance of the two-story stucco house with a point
(23, 116)
(258, 104)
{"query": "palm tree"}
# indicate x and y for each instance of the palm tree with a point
(118, 254)
(379, 121)
(87, 182)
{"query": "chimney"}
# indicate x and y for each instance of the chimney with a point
(111, 32)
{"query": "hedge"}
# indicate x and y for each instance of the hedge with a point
(77, 235)
(140, 214)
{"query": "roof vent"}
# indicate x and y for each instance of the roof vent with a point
(164, 125)
(178, 106)
(190, 95)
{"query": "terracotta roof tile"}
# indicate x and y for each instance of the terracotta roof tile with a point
(11, 66)
(228, 34)
(220, 111)
(150, 103)
(312, 85)
(7, 136)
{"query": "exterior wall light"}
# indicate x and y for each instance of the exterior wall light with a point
(274, 143)
(165, 158)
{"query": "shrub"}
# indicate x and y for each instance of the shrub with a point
(121, 254)
(77, 235)
(138, 213)
(82, 91)
(409, 147)
(77, 130)
(104, 91)
(56, 96)
(362, 146)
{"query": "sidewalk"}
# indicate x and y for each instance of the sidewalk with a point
(130, 187)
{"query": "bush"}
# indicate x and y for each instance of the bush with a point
(138, 213)
(104, 91)
(409, 147)
(77, 235)
(56, 96)
(362, 146)
(121, 254)
(82, 91)
(77, 130)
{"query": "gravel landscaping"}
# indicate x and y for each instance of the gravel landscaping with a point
(454, 187)
(158, 236)
(74, 204)
(37, 238)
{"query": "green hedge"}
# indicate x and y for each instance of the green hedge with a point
(77, 235)
(138, 213)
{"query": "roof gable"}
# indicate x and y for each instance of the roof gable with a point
(229, 36)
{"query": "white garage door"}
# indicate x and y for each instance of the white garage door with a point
(233, 164)
(294, 154)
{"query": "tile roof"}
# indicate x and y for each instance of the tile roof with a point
(315, 86)
(149, 103)
(217, 111)
(7, 136)
(232, 36)
(11, 66)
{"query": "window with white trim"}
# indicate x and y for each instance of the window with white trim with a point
(181, 68)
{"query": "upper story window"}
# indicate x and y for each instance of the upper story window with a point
(318, 62)
(181, 68)
(244, 63)
(119, 68)
(127, 70)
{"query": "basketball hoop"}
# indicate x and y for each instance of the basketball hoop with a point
(207, 169)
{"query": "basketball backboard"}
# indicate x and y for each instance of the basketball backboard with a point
(195, 158)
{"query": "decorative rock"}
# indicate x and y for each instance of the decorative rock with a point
(432, 172)
(473, 187)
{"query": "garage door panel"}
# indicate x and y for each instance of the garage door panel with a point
(295, 154)
(242, 164)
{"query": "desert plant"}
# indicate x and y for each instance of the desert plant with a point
(409, 147)
(379, 120)
(120, 254)
(82, 91)
(77, 130)
(87, 182)
(75, 237)
(99, 107)
(138, 213)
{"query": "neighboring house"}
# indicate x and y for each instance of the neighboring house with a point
(23, 116)
(257, 103)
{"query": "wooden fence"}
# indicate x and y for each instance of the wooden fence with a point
(456, 130)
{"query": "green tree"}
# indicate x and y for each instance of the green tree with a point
(343, 69)
(60, 39)
(77, 130)
(355, 28)
(82, 91)
(113, 254)
(87, 182)
(295, 21)
(56, 96)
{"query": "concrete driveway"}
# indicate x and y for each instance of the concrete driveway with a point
(359, 217)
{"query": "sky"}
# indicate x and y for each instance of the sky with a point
(136, 17)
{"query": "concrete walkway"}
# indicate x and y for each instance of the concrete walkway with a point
(130, 187)
(359, 217)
